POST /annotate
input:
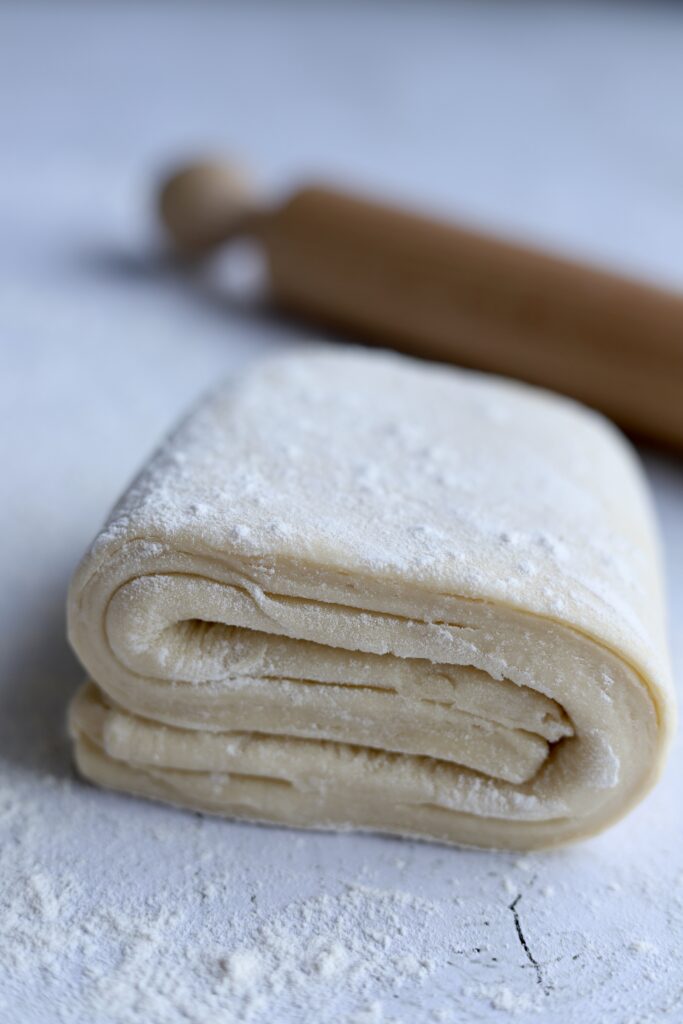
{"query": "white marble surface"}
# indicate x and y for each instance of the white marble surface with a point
(559, 122)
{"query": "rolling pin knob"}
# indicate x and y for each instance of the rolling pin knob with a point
(203, 204)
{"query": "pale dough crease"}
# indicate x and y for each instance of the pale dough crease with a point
(357, 591)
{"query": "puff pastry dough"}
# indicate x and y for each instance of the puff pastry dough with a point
(357, 591)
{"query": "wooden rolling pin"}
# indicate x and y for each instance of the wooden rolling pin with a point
(440, 291)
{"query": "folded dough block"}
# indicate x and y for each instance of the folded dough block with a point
(357, 591)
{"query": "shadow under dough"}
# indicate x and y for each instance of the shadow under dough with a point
(41, 675)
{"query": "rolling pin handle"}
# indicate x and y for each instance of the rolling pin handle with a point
(205, 204)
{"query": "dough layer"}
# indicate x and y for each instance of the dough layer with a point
(357, 591)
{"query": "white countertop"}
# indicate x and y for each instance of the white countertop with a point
(561, 123)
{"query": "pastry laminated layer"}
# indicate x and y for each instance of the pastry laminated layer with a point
(357, 591)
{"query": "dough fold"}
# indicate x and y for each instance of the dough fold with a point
(357, 591)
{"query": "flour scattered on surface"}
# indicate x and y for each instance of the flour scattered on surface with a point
(642, 946)
(156, 960)
(503, 998)
(158, 916)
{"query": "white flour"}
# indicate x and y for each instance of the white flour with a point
(354, 943)
(164, 917)
(152, 963)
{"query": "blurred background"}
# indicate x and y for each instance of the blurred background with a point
(558, 124)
